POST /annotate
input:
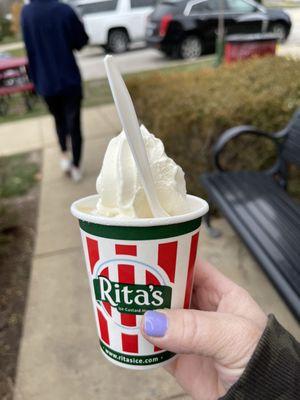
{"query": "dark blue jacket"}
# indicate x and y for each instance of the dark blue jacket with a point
(51, 31)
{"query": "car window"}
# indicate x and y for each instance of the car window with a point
(240, 6)
(142, 3)
(167, 7)
(97, 7)
(205, 6)
(201, 7)
(215, 5)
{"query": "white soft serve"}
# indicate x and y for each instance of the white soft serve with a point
(119, 186)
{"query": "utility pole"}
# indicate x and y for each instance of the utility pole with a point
(220, 35)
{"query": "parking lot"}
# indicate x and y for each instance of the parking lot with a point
(140, 58)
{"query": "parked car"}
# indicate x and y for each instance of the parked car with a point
(114, 24)
(187, 28)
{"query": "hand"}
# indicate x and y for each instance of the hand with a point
(215, 339)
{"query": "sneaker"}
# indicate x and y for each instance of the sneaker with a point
(76, 174)
(65, 165)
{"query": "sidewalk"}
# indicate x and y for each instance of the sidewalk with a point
(11, 46)
(59, 357)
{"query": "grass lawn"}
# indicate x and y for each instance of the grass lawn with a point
(17, 175)
(17, 52)
(10, 39)
(96, 92)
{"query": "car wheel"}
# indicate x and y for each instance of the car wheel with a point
(118, 41)
(190, 47)
(279, 30)
(168, 52)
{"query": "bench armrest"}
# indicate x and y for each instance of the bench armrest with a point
(233, 133)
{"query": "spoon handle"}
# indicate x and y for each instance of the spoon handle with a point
(131, 127)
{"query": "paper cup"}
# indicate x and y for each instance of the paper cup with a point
(135, 265)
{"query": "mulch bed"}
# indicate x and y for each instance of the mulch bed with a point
(16, 251)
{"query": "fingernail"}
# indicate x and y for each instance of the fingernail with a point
(155, 323)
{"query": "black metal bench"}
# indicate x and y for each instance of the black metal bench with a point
(261, 211)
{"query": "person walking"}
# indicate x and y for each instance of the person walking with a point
(51, 32)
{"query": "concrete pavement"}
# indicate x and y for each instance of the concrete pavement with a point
(10, 46)
(292, 46)
(59, 357)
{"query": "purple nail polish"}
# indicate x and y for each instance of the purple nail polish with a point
(155, 323)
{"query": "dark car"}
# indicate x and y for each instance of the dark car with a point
(187, 28)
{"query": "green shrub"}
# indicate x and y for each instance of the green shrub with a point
(189, 110)
(4, 28)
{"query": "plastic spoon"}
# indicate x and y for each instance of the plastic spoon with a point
(132, 130)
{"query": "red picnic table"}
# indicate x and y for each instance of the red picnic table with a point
(14, 79)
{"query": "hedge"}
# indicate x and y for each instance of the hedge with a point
(188, 110)
(4, 28)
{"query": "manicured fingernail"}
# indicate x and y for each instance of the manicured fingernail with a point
(155, 323)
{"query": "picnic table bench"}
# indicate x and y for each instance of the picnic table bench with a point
(13, 80)
(260, 209)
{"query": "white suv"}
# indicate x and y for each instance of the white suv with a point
(113, 24)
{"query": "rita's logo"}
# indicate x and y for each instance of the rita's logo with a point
(131, 287)
(132, 299)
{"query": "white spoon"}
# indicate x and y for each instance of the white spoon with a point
(132, 130)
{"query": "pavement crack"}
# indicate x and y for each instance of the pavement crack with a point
(175, 396)
(56, 252)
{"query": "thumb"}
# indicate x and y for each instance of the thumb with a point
(225, 337)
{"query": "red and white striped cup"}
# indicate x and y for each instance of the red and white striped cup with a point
(135, 265)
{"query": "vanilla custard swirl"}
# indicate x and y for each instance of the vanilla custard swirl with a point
(119, 186)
